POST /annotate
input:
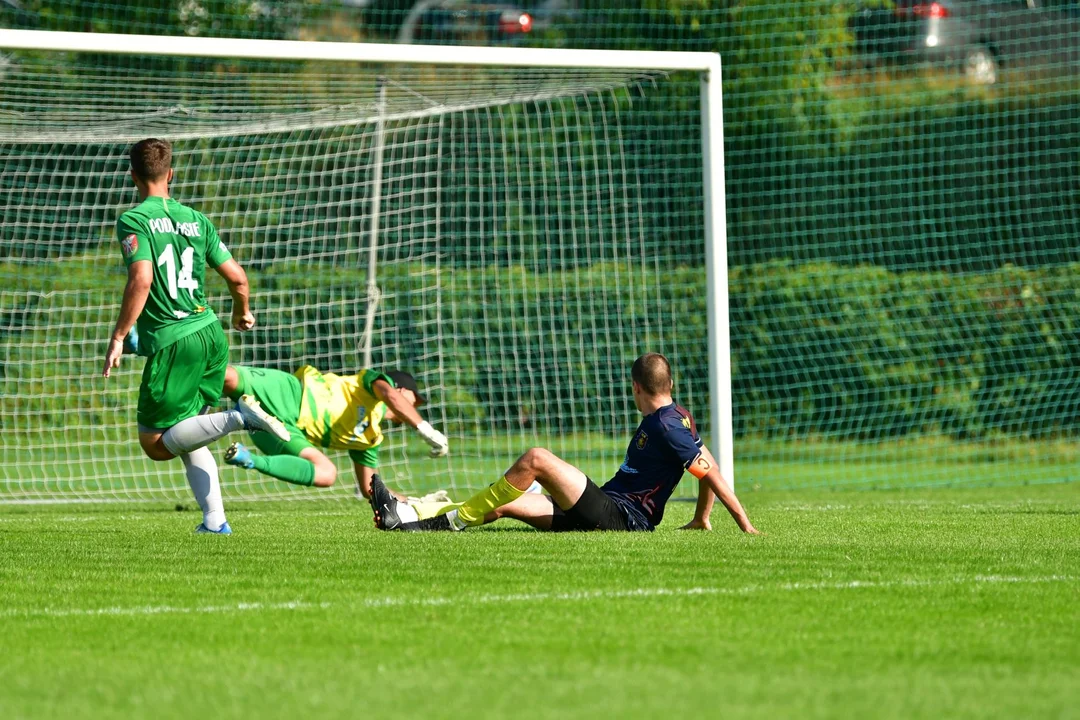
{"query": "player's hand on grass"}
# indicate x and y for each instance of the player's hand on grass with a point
(112, 356)
(243, 321)
(697, 524)
(440, 446)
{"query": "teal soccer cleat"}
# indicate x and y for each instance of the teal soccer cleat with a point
(239, 456)
(223, 530)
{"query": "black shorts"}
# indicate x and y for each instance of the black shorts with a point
(594, 510)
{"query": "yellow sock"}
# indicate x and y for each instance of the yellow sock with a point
(432, 509)
(473, 510)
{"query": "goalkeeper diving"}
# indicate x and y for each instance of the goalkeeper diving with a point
(327, 411)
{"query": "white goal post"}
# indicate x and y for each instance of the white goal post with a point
(706, 65)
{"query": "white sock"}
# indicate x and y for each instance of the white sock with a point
(406, 513)
(201, 430)
(202, 476)
(455, 522)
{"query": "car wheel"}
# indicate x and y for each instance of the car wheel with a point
(980, 66)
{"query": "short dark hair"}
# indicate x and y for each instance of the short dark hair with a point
(406, 381)
(151, 159)
(652, 372)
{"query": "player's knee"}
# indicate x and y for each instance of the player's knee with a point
(325, 474)
(537, 458)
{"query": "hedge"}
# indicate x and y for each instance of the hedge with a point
(819, 350)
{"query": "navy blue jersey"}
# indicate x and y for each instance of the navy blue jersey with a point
(664, 445)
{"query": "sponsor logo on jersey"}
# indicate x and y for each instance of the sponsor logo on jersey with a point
(161, 225)
(165, 225)
(364, 424)
(642, 439)
(625, 467)
(222, 248)
(129, 245)
(686, 422)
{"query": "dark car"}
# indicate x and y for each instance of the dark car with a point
(14, 16)
(459, 22)
(978, 37)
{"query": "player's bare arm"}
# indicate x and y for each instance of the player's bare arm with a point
(140, 276)
(236, 278)
(705, 499)
(712, 484)
(703, 510)
(405, 411)
(363, 481)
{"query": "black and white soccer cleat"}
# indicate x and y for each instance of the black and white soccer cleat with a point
(384, 505)
(435, 524)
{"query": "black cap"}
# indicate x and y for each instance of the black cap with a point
(406, 381)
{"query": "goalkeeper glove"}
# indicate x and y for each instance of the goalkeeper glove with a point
(440, 446)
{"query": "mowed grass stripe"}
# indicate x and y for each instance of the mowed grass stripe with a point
(546, 598)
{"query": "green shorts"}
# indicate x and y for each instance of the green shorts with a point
(180, 379)
(279, 394)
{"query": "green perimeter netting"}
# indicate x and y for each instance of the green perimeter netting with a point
(902, 231)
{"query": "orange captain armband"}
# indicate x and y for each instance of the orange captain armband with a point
(700, 467)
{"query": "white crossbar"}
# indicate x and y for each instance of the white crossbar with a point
(354, 52)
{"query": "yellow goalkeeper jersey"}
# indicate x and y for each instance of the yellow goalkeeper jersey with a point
(341, 411)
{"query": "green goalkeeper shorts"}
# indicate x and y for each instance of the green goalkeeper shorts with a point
(180, 379)
(279, 394)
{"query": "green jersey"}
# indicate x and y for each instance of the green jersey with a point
(179, 243)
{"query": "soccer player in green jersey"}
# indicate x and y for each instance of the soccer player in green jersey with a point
(327, 411)
(166, 247)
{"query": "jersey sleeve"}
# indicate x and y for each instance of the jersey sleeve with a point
(681, 443)
(216, 252)
(368, 457)
(134, 240)
(368, 381)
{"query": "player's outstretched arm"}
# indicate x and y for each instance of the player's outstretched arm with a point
(405, 411)
(140, 276)
(712, 483)
(234, 275)
(363, 481)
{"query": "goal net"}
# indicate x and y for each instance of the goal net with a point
(512, 236)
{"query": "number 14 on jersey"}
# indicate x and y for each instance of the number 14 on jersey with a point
(184, 280)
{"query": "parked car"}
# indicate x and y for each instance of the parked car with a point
(13, 15)
(978, 37)
(461, 22)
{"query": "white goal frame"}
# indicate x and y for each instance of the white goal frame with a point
(712, 134)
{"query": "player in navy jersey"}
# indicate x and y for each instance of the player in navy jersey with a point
(665, 444)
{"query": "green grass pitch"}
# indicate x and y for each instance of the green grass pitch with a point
(912, 603)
